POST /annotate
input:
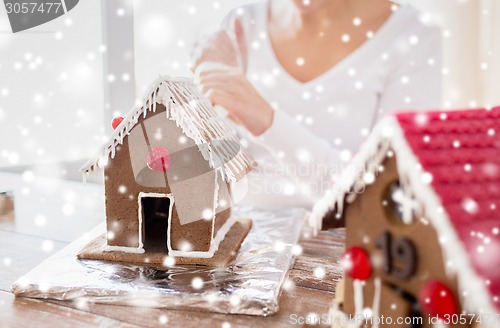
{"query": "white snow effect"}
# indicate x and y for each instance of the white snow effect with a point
(169, 261)
(163, 319)
(319, 272)
(40, 220)
(470, 205)
(197, 283)
(47, 246)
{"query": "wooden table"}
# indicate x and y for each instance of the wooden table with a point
(50, 213)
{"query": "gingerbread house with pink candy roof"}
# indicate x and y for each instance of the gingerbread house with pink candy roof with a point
(421, 206)
(168, 170)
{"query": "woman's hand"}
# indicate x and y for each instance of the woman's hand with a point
(222, 48)
(231, 90)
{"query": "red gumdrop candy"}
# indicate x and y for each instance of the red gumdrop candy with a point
(356, 263)
(437, 300)
(116, 121)
(159, 159)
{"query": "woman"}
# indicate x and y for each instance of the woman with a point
(306, 80)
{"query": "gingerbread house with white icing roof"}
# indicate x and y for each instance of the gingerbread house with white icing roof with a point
(421, 206)
(168, 167)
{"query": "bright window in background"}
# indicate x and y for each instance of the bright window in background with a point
(471, 44)
(165, 32)
(51, 92)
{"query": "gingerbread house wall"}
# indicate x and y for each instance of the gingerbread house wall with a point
(366, 219)
(127, 175)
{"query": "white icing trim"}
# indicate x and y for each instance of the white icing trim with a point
(198, 120)
(343, 320)
(473, 294)
(376, 302)
(358, 297)
(139, 214)
(216, 202)
(124, 249)
(214, 245)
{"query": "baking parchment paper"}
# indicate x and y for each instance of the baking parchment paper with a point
(251, 284)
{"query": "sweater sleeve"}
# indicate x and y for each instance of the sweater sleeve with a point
(312, 162)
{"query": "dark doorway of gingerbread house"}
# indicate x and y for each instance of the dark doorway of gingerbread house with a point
(156, 211)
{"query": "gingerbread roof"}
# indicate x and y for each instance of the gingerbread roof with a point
(193, 113)
(451, 162)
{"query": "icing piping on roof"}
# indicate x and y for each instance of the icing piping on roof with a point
(194, 114)
(388, 134)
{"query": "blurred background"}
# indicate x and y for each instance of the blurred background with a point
(61, 83)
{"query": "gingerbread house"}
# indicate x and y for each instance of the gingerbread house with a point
(169, 166)
(420, 203)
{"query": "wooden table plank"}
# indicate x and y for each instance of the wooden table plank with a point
(24, 312)
(298, 301)
(20, 253)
